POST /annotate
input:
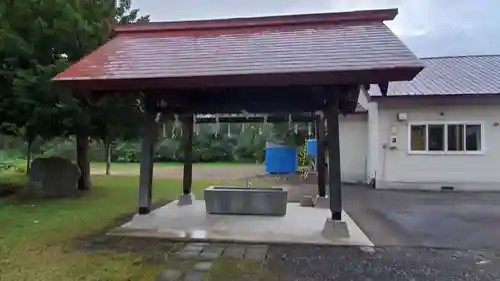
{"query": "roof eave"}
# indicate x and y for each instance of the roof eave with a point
(318, 18)
(435, 96)
(363, 76)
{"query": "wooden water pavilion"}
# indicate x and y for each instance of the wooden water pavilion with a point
(296, 64)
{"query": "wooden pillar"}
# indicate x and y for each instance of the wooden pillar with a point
(320, 165)
(187, 143)
(149, 131)
(334, 172)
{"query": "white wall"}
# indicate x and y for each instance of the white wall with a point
(353, 147)
(373, 142)
(396, 168)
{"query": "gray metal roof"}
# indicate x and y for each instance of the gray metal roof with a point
(464, 75)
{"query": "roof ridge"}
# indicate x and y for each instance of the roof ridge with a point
(267, 21)
(461, 56)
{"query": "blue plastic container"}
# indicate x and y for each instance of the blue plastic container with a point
(312, 147)
(280, 159)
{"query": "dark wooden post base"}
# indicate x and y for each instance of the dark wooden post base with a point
(336, 216)
(144, 210)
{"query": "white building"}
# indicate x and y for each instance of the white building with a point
(439, 131)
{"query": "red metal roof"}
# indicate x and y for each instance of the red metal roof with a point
(328, 48)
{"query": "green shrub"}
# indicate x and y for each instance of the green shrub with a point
(168, 150)
(7, 160)
(65, 148)
(20, 169)
(241, 145)
(6, 165)
(127, 152)
(303, 158)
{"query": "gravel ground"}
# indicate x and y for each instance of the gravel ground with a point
(315, 263)
(216, 173)
(381, 264)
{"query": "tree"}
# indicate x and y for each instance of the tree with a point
(28, 61)
(116, 115)
(126, 15)
(33, 51)
(89, 26)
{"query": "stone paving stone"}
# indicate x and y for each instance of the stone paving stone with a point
(211, 252)
(198, 244)
(191, 250)
(188, 254)
(169, 275)
(221, 245)
(256, 253)
(194, 247)
(194, 276)
(203, 266)
(260, 247)
(234, 251)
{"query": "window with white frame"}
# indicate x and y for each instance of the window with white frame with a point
(445, 137)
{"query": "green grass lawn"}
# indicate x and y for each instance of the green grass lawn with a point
(37, 237)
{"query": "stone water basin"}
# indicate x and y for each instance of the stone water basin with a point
(245, 201)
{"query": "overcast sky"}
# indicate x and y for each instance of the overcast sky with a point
(428, 27)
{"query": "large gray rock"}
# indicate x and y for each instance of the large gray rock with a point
(53, 177)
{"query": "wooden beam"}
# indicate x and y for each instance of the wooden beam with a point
(384, 87)
(250, 99)
(230, 107)
(348, 99)
(334, 171)
(187, 143)
(303, 79)
(257, 119)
